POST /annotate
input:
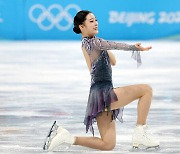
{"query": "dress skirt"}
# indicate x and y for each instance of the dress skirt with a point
(100, 98)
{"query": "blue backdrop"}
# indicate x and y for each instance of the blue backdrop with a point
(118, 19)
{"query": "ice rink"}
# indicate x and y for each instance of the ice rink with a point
(45, 81)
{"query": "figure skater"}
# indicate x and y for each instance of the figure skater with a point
(105, 103)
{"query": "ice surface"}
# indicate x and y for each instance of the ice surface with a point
(45, 81)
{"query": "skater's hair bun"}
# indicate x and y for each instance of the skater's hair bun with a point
(76, 30)
(79, 19)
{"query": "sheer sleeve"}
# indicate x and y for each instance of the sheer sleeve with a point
(101, 44)
(98, 44)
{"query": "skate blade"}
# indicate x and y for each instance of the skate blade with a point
(52, 132)
(153, 147)
(145, 148)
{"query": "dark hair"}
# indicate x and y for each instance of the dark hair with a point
(79, 19)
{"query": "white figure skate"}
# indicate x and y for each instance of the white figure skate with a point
(142, 137)
(57, 136)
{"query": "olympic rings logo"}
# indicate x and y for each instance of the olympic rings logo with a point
(53, 20)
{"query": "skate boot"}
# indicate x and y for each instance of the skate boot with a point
(143, 137)
(58, 136)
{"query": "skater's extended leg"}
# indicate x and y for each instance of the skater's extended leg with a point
(107, 132)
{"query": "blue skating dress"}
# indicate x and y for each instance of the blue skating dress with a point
(101, 91)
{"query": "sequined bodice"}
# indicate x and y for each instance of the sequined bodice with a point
(101, 69)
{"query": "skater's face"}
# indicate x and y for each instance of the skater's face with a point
(90, 26)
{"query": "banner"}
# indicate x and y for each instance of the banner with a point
(118, 19)
(12, 19)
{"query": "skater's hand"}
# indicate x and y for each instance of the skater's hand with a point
(138, 45)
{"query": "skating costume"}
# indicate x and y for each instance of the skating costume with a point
(101, 91)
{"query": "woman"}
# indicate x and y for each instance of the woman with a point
(105, 103)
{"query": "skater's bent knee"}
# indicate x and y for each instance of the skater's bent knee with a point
(148, 89)
(108, 146)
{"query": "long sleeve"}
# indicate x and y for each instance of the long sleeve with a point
(100, 44)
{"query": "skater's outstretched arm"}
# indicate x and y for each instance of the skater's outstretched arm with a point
(98, 44)
(101, 44)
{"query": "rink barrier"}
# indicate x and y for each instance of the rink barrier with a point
(47, 19)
